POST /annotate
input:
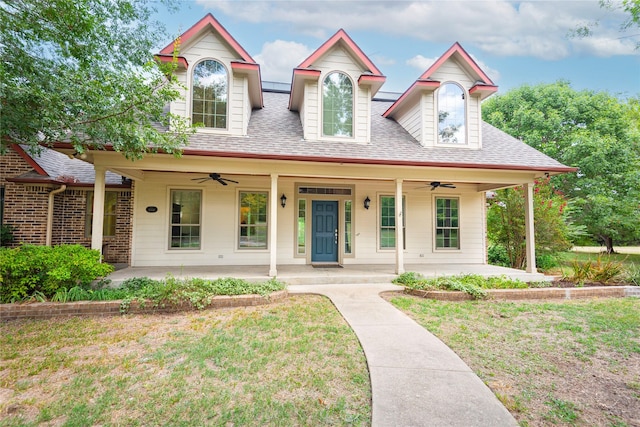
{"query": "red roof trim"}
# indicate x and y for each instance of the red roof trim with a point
(483, 88)
(182, 61)
(244, 66)
(340, 35)
(456, 48)
(227, 154)
(306, 72)
(418, 83)
(368, 78)
(373, 161)
(208, 19)
(29, 159)
(68, 184)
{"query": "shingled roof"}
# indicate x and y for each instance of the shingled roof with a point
(275, 132)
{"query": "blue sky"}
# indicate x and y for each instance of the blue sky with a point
(515, 43)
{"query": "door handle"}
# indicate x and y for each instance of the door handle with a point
(335, 235)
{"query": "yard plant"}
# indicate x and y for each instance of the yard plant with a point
(472, 284)
(38, 272)
(573, 363)
(294, 362)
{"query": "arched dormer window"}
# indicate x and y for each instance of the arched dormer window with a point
(209, 94)
(337, 105)
(452, 115)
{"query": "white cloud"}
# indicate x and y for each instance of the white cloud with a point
(278, 59)
(504, 28)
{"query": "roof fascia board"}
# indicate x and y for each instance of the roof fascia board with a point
(30, 160)
(252, 71)
(355, 49)
(457, 49)
(182, 61)
(419, 86)
(205, 22)
(300, 75)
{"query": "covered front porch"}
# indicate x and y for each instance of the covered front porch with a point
(310, 275)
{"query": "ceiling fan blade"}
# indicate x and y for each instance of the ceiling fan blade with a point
(200, 180)
(230, 180)
(221, 181)
(447, 185)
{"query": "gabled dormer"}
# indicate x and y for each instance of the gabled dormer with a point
(332, 90)
(442, 108)
(222, 80)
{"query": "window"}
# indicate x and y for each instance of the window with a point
(253, 221)
(388, 222)
(185, 219)
(109, 221)
(447, 224)
(302, 217)
(209, 95)
(337, 105)
(348, 222)
(451, 115)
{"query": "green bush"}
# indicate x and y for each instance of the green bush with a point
(632, 275)
(473, 284)
(497, 255)
(43, 270)
(545, 262)
(6, 234)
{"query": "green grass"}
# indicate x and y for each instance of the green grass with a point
(290, 363)
(569, 363)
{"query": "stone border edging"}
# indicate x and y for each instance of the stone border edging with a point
(534, 293)
(45, 310)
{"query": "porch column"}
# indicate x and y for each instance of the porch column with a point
(529, 228)
(399, 229)
(273, 226)
(98, 209)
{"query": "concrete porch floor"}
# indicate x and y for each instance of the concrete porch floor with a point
(309, 275)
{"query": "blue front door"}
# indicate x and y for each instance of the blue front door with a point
(325, 231)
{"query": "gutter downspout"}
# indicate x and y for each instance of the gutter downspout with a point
(50, 212)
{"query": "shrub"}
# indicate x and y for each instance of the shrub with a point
(29, 269)
(497, 255)
(545, 262)
(6, 234)
(594, 271)
(632, 275)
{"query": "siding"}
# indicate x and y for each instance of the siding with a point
(412, 121)
(211, 46)
(220, 227)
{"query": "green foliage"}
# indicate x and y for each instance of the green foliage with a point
(506, 228)
(497, 255)
(472, 284)
(545, 262)
(84, 71)
(601, 271)
(6, 234)
(595, 132)
(632, 275)
(29, 268)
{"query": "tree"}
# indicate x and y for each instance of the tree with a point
(631, 8)
(505, 221)
(83, 71)
(595, 132)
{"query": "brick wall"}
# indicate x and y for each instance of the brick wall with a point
(23, 205)
(70, 217)
(26, 208)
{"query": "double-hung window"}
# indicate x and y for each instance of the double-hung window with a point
(337, 105)
(109, 221)
(253, 220)
(447, 223)
(185, 219)
(388, 222)
(209, 95)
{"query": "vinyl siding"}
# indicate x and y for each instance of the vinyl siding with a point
(211, 46)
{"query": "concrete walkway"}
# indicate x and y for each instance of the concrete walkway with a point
(416, 380)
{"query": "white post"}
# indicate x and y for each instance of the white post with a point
(529, 228)
(399, 229)
(273, 226)
(98, 209)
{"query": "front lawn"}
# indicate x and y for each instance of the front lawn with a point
(291, 363)
(551, 363)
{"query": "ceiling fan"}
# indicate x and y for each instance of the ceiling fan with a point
(436, 184)
(215, 177)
